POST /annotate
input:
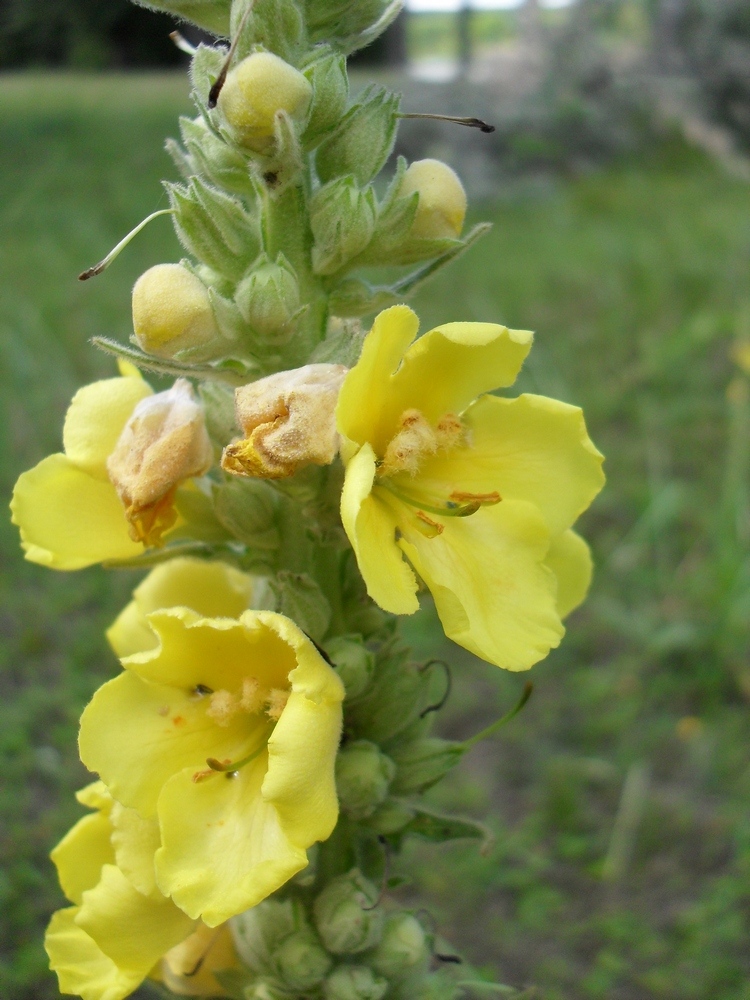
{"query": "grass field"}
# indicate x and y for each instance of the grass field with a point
(621, 865)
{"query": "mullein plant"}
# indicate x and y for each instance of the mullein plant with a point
(262, 753)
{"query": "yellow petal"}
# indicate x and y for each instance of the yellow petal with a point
(81, 853)
(135, 841)
(492, 591)
(302, 750)
(216, 652)
(371, 528)
(301, 756)
(207, 950)
(96, 418)
(213, 589)
(137, 735)
(223, 847)
(67, 518)
(133, 930)
(530, 448)
(569, 558)
(95, 796)
(440, 373)
(82, 967)
(366, 388)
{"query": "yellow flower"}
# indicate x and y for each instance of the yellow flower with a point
(69, 511)
(226, 733)
(213, 589)
(120, 925)
(479, 494)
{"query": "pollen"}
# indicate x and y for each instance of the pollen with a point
(412, 442)
(449, 432)
(224, 706)
(251, 699)
(276, 703)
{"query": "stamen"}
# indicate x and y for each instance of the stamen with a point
(223, 708)
(115, 251)
(484, 499)
(216, 89)
(182, 43)
(250, 699)
(429, 527)
(468, 122)
(228, 766)
(450, 509)
(276, 703)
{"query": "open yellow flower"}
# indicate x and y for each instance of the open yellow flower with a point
(120, 925)
(479, 494)
(226, 733)
(71, 514)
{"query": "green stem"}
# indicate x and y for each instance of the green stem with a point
(493, 728)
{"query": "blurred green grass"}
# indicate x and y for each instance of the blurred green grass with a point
(636, 282)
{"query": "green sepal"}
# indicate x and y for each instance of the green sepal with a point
(235, 982)
(422, 763)
(401, 692)
(233, 375)
(249, 508)
(364, 139)
(437, 829)
(342, 219)
(268, 300)
(275, 25)
(356, 297)
(214, 227)
(214, 159)
(212, 15)
(197, 511)
(205, 67)
(283, 165)
(218, 407)
(185, 164)
(330, 83)
(350, 24)
(300, 598)
(342, 344)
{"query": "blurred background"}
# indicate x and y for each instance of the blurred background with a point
(617, 182)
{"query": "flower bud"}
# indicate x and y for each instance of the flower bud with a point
(354, 982)
(442, 199)
(301, 961)
(268, 299)
(342, 218)
(288, 420)
(354, 663)
(172, 311)
(164, 443)
(402, 948)
(363, 776)
(256, 90)
(347, 916)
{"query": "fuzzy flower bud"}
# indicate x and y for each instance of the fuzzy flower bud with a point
(354, 982)
(288, 420)
(342, 218)
(442, 199)
(354, 663)
(172, 311)
(363, 776)
(402, 948)
(163, 443)
(268, 300)
(347, 916)
(301, 962)
(256, 90)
